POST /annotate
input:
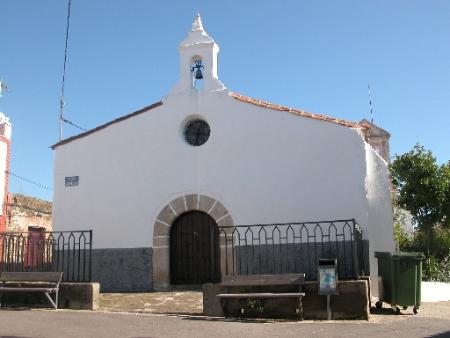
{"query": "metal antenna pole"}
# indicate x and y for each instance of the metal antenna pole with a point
(61, 118)
(61, 102)
(370, 104)
(3, 87)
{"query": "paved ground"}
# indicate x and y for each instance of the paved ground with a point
(64, 323)
(134, 315)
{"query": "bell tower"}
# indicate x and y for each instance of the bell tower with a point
(198, 62)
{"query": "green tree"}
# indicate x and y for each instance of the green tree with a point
(403, 232)
(423, 188)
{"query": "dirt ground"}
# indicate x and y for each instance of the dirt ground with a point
(437, 310)
(190, 303)
(186, 302)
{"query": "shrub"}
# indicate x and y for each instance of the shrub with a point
(437, 271)
(437, 267)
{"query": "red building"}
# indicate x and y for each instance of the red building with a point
(5, 155)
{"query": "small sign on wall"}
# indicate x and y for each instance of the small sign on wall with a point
(72, 181)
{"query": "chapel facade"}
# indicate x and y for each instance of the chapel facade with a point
(204, 158)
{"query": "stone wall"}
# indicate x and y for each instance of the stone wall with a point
(75, 296)
(352, 302)
(123, 270)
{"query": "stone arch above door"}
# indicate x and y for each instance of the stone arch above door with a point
(163, 223)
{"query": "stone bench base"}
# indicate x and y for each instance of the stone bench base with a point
(351, 303)
(77, 296)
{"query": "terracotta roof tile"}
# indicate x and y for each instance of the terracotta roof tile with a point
(103, 126)
(299, 112)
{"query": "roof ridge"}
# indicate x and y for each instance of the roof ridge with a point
(299, 112)
(240, 97)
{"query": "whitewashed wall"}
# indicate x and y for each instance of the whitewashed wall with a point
(381, 231)
(263, 165)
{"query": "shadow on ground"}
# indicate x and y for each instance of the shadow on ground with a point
(386, 311)
(231, 319)
(15, 308)
(445, 334)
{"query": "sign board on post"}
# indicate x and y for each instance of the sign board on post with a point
(327, 276)
(327, 280)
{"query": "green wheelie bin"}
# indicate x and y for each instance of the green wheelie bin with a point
(399, 279)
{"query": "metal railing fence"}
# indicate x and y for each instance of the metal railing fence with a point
(292, 248)
(62, 251)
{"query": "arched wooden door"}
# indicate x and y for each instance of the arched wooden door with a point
(194, 249)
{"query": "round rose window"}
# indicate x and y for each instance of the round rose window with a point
(197, 132)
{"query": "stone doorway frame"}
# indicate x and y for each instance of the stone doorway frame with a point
(161, 232)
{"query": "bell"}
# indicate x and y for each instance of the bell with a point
(198, 74)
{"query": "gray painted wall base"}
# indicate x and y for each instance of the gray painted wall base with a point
(131, 269)
(123, 270)
(299, 258)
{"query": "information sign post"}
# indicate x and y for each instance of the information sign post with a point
(327, 280)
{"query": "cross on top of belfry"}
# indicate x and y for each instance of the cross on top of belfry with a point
(197, 24)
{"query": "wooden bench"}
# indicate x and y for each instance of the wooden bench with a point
(261, 282)
(43, 282)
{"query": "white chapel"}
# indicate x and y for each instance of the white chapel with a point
(156, 184)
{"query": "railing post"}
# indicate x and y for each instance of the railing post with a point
(90, 256)
(354, 250)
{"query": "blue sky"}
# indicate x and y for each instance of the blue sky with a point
(315, 55)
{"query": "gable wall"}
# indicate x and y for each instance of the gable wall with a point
(264, 166)
(381, 231)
